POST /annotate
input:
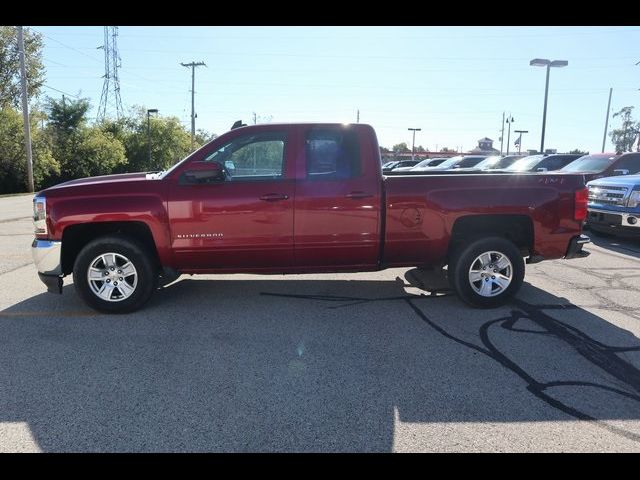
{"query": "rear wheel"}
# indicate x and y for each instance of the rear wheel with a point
(486, 273)
(114, 274)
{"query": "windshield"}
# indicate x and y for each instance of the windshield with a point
(524, 164)
(506, 161)
(450, 162)
(590, 164)
(424, 163)
(468, 162)
(488, 162)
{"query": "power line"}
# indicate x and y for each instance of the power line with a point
(60, 91)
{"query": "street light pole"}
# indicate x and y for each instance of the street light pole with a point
(413, 146)
(510, 120)
(520, 139)
(606, 122)
(502, 135)
(149, 112)
(543, 62)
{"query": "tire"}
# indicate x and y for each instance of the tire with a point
(101, 258)
(491, 289)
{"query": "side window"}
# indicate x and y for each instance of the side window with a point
(553, 163)
(332, 154)
(631, 163)
(257, 156)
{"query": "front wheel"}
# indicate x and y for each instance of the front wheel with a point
(487, 272)
(114, 274)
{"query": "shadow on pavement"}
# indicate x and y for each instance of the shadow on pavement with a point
(626, 245)
(305, 365)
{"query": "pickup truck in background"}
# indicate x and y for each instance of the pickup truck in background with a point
(614, 205)
(601, 165)
(301, 198)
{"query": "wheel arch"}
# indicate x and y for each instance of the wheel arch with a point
(76, 237)
(516, 228)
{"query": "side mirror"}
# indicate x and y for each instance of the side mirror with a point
(203, 172)
(621, 171)
(542, 169)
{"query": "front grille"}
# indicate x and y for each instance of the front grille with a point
(608, 194)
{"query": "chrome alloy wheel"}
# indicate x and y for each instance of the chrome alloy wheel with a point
(490, 273)
(112, 277)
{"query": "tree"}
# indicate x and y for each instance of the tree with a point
(420, 149)
(577, 151)
(203, 137)
(13, 158)
(401, 148)
(625, 136)
(447, 150)
(170, 141)
(10, 90)
(82, 150)
(96, 153)
(66, 116)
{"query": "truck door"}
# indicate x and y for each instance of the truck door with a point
(245, 220)
(338, 196)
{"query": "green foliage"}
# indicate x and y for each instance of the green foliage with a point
(577, 151)
(13, 158)
(401, 148)
(67, 116)
(170, 142)
(66, 146)
(625, 136)
(203, 137)
(10, 91)
(93, 153)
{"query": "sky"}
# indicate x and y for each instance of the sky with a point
(452, 82)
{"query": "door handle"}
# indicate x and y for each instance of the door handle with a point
(358, 195)
(274, 197)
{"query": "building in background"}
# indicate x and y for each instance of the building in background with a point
(485, 147)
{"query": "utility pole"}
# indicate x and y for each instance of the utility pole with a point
(358, 118)
(149, 112)
(502, 135)
(254, 118)
(111, 85)
(520, 138)
(510, 120)
(606, 122)
(193, 66)
(413, 146)
(25, 110)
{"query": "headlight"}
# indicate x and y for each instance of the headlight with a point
(634, 199)
(40, 215)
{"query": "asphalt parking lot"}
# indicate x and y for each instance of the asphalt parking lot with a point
(350, 362)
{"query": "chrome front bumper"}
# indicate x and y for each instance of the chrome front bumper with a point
(614, 218)
(46, 256)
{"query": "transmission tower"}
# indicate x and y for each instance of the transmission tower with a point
(110, 98)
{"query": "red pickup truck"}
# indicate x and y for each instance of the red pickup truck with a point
(301, 198)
